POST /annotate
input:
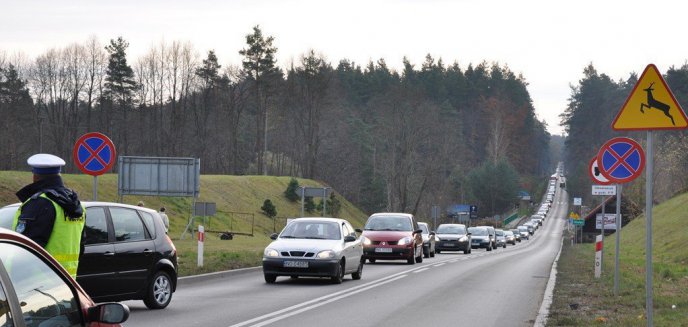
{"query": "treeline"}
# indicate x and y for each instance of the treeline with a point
(594, 103)
(388, 140)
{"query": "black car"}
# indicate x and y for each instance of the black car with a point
(127, 255)
(453, 237)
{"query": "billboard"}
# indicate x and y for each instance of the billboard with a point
(609, 221)
(159, 176)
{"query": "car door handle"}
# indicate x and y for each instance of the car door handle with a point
(147, 251)
(109, 254)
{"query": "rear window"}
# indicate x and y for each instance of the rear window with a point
(95, 228)
(148, 220)
(128, 225)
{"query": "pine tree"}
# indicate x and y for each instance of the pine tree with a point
(119, 81)
(269, 209)
(309, 205)
(290, 192)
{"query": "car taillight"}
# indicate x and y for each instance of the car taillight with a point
(174, 248)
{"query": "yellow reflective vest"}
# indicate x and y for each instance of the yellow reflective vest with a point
(65, 239)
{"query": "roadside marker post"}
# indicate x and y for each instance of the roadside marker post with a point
(598, 256)
(201, 240)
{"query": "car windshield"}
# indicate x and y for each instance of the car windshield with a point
(508, 233)
(319, 230)
(500, 233)
(424, 228)
(522, 228)
(475, 231)
(450, 229)
(389, 223)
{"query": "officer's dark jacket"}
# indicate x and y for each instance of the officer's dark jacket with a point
(39, 214)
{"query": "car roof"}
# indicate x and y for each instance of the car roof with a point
(328, 219)
(453, 225)
(391, 214)
(88, 204)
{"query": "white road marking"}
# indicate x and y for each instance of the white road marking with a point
(421, 270)
(439, 264)
(310, 307)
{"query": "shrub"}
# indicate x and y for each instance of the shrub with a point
(290, 193)
(269, 209)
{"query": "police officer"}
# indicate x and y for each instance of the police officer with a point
(51, 214)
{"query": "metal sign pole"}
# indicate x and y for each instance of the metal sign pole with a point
(604, 204)
(648, 230)
(95, 188)
(324, 200)
(303, 199)
(619, 188)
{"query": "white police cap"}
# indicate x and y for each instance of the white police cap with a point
(45, 164)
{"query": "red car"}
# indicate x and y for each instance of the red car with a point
(392, 236)
(36, 291)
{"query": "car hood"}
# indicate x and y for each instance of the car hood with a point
(374, 235)
(306, 245)
(450, 237)
(481, 237)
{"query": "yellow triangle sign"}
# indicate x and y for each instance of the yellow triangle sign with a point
(650, 106)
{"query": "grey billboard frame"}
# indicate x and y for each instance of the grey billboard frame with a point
(159, 176)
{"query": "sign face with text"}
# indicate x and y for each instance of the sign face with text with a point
(609, 221)
(603, 190)
(577, 201)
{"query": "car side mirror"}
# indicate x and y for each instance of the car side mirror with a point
(109, 313)
(358, 230)
(349, 238)
(469, 234)
(273, 236)
(418, 231)
(432, 232)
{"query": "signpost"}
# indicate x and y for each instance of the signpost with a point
(650, 106)
(94, 154)
(323, 192)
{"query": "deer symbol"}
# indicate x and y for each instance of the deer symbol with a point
(652, 103)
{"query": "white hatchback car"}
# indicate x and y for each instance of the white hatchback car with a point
(314, 247)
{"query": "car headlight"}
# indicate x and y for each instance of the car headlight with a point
(366, 241)
(404, 241)
(463, 239)
(271, 253)
(327, 254)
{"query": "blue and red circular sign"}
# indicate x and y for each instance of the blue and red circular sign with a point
(621, 160)
(94, 154)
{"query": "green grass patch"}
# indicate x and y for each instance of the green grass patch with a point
(238, 200)
(582, 300)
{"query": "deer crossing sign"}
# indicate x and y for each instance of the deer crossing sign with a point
(650, 106)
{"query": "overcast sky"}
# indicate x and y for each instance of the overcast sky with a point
(549, 42)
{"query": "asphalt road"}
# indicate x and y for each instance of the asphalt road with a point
(503, 287)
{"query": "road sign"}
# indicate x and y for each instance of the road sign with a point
(577, 201)
(609, 221)
(650, 106)
(603, 190)
(621, 160)
(594, 172)
(578, 222)
(94, 154)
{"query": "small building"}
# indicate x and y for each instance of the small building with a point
(629, 210)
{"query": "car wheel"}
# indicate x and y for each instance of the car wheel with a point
(338, 278)
(270, 278)
(489, 247)
(466, 251)
(410, 261)
(504, 245)
(159, 291)
(426, 252)
(438, 251)
(359, 272)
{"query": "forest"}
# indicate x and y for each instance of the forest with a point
(430, 133)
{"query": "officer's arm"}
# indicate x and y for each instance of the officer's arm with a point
(38, 217)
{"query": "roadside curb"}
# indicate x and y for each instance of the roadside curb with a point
(543, 313)
(188, 280)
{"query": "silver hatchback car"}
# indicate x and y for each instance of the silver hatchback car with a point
(315, 247)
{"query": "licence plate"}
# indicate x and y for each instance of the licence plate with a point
(476, 241)
(448, 244)
(296, 264)
(383, 250)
